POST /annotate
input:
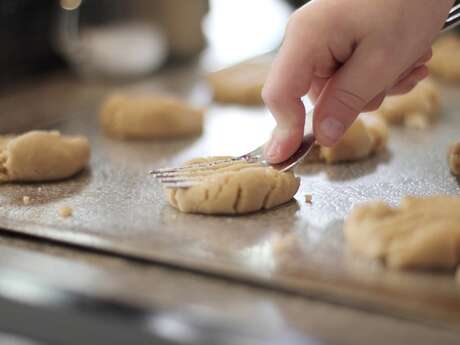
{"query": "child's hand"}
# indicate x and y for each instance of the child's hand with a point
(347, 55)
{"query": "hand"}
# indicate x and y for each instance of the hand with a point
(347, 56)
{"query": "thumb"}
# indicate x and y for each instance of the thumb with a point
(362, 79)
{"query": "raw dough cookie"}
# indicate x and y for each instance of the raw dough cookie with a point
(417, 109)
(42, 156)
(445, 63)
(421, 233)
(240, 84)
(453, 158)
(367, 135)
(236, 189)
(149, 117)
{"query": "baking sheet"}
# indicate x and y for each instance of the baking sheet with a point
(119, 208)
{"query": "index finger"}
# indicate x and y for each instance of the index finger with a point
(290, 77)
(288, 81)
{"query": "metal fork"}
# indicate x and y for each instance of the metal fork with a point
(193, 174)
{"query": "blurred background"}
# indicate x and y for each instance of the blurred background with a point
(131, 39)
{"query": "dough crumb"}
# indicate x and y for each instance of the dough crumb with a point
(234, 188)
(418, 108)
(65, 212)
(308, 198)
(454, 158)
(26, 200)
(420, 233)
(149, 117)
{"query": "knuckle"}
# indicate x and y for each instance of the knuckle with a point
(293, 20)
(324, 70)
(380, 57)
(349, 100)
(271, 96)
(296, 26)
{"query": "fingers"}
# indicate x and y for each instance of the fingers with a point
(360, 82)
(301, 57)
(349, 92)
(317, 86)
(375, 103)
(403, 86)
(424, 58)
(305, 64)
(289, 79)
(420, 62)
(319, 83)
(410, 81)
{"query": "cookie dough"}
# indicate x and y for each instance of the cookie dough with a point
(416, 109)
(421, 233)
(42, 156)
(149, 117)
(445, 62)
(366, 136)
(236, 189)
(65, 212)
(453, 158)
(240, 84)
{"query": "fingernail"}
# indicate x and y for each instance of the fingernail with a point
(273, 150)
(331, 128)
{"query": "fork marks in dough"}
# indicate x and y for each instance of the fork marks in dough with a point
(235, 189)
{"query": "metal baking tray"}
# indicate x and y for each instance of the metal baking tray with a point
(119, 208)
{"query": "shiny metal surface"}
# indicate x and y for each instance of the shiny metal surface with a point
(70, 315)
(119, 208)
(144, 286)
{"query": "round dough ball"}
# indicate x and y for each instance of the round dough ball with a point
(149, 117)
(417, 108)
(445, 62)
(240, 84)
(377, 129)
(236, 189)
(354, 145)
(42, 156)
(366, 136)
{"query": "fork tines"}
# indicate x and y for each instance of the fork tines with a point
(193, 174)
(453, 19)
(192, 167)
